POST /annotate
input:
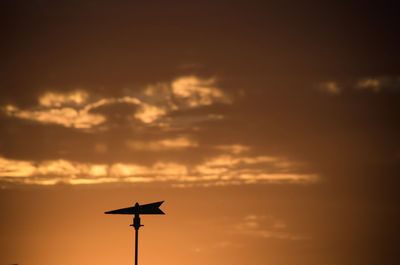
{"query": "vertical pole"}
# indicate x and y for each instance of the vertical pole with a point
(136, 244)
(136, 224)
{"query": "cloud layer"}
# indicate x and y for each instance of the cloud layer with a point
(77, 110)
(221, 170)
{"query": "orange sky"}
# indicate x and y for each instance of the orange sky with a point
(269, 129)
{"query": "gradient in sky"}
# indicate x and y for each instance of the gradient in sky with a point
(270, 129)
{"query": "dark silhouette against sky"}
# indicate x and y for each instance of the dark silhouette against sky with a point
(137, 210)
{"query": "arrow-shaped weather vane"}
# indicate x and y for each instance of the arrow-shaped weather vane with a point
(151, 208)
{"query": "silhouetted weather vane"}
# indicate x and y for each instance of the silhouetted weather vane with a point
(151, 208)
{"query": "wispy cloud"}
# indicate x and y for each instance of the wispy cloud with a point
(198, 92)
(165, 144)
(15, 168)
(265, 226)
(66, 116)
(330, 87)
(234, 148)
(78, 109)
(57, 99)
(221, 170)
(373, 84)
(80, 116)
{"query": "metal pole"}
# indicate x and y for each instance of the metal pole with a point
(136, 244)
(136, 224)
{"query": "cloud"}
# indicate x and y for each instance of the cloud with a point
(374, 84)
(198, 92)
(149, 113)
(278, 178)
(268, 227)
(233, 170)
(184, 100)
(230, 160)
(54, 99)
(219, 171)
(331, 88)
(234, 148)
(159, 171)
(84, 116)
(166, 144)
(379, 84)
(180, 142)
(79, 110)
(15, 168)
(369, 83)
(63, 171)
(67, 117)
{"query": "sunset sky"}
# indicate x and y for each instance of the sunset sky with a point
(270, 129)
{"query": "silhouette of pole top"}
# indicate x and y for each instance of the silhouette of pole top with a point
(151, 208)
